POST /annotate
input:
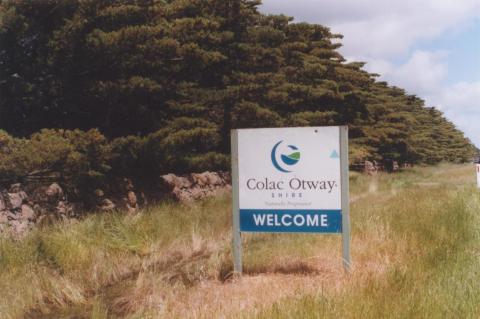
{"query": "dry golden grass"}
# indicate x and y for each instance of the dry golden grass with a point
(175, 262)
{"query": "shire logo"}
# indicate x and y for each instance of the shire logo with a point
(285, 160)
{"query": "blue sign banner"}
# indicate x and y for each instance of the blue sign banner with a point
(291, 220)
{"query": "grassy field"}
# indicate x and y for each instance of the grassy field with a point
(415, 252)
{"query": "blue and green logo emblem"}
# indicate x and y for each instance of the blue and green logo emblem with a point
(285, 160)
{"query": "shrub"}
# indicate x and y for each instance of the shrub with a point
(83, 160)
(79, 158)
(183, 146)
(10, 167)
(128, 157)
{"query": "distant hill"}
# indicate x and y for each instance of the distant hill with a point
(180, 74)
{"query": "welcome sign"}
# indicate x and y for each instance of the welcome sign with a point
(290, 180)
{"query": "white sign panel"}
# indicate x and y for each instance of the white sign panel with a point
(289, 168)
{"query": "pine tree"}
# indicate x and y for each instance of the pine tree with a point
(177, 75)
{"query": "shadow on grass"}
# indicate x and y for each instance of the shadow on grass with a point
(297, 267)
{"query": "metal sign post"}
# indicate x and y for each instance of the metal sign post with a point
(290, 180)
(478, 174)
(345, 197)
(237, 238)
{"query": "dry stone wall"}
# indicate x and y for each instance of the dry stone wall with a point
(23, 207)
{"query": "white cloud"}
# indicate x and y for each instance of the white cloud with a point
(461, 103)
(422, 74)
(379, 28)
(462, 93)
(382, 33)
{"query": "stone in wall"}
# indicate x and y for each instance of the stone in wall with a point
(370, 168)
(16, 213)
(189, 187)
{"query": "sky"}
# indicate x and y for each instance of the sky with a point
(430, 48)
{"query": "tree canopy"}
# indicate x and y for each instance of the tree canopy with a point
(177, 75)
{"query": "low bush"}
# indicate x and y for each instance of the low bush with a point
(83, 160)
(76, 157)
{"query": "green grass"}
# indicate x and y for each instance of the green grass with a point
(69, 263)
(415, 251)
(431, 235)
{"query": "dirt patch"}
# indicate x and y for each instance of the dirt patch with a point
(212, 298)
(250, 294)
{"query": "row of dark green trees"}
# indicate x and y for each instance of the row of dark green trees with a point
(164, 81)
